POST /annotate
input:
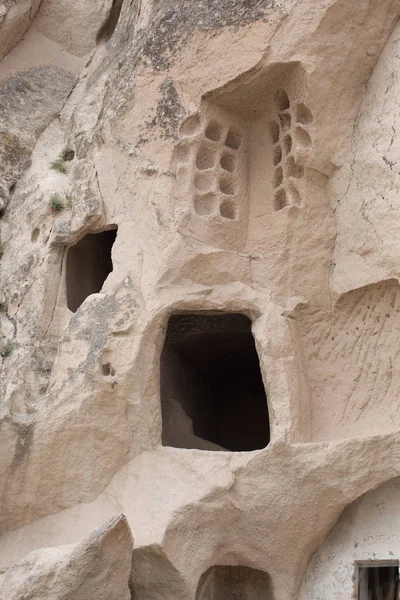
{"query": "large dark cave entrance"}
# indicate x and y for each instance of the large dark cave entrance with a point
(88, 265)
(212, 394)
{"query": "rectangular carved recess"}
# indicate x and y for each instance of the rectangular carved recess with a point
(241, 161)
(212, 394)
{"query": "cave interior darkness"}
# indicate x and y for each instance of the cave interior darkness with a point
(88, 266)
(212, 393)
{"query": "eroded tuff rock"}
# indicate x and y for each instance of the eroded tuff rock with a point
(97, 567)
(29, 101)
(16, 17)
(213, 157)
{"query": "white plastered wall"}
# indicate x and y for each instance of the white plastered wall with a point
(369, 529)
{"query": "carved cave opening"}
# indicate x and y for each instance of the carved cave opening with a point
(88, 265)
(212, 394)
(378, 581)
(235, 582)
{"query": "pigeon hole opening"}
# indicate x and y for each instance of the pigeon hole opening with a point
(221, 582)
(212, 393)
(88, 266)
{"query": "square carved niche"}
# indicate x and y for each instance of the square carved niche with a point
(212, 393)
(240, 161)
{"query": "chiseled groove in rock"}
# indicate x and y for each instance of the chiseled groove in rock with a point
(357, 345)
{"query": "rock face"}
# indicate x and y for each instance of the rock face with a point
(199, 302)
(29, 102)
(97, 567)
(16, 17)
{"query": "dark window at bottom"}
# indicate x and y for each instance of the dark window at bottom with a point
(378, 580)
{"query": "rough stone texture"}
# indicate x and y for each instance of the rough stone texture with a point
(246, 153)
(29, 101)
(16, 17)
(366, 188)
(153, 577)
(367, 528)
(98, 567)
(74, 24)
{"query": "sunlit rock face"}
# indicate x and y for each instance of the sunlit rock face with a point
(199, 301)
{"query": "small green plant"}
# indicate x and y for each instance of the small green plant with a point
(6, 350)
(67, 154)
(58, 165)
(57, 204)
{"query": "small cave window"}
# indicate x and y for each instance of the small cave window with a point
(212, 394)
(236, 582)
(378, 580)
(88, 265)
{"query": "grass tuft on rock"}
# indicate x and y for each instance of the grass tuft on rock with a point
(57, 204)
(58, 165)
(6, 349)
(67, 154)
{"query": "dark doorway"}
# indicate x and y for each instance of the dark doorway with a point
(236, 583)
(212, 394)
(88, 265)
(378, 580)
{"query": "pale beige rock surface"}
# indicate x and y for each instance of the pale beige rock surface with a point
(366, 188)
(246, 153)
(74, 24)
(97, 567)
(16, 17)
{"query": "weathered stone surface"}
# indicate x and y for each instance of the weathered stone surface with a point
(153, 577)
(29, 101)
(73, 24)
(364, 530)
(96, 568)
(365, 189)
(238, 148)
(16, 17)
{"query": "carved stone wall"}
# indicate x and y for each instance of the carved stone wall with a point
(237, 160)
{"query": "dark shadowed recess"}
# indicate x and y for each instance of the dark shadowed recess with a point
(109, 26)
(211, 385)
(378, 580)
(234, 582)
(88, 265)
